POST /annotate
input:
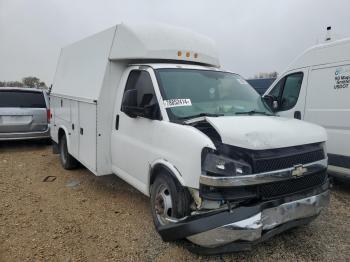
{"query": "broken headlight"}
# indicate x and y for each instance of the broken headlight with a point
(219, 165)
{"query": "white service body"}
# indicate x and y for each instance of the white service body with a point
(87, 93)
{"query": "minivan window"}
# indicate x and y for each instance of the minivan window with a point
(25, 99)
(206, 92)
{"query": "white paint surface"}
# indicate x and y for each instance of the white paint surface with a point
(265, 132)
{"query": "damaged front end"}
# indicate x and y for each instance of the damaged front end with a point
(243, 227)
(247, 196)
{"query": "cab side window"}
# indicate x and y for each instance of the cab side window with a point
(287, 90)
(291, 91)
(276, 91)
(139, 81)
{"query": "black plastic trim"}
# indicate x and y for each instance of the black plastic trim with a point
(258, 192)
(339, 160)
(254, 156)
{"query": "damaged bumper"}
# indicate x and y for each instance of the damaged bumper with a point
(245, 226)
(252, 228)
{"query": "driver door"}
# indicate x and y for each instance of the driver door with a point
(290, 92)
(132, 137)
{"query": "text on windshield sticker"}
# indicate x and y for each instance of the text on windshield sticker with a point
(177, 102)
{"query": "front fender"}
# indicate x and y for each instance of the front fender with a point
(179, 148)
(169, 166)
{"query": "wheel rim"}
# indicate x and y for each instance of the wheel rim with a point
(163, 205)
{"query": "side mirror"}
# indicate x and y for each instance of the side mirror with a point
(129, 103)
(272, 102)
(130, 98)
(275, 105)
(145, 109)
(151, 112)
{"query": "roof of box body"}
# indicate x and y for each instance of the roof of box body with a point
(82, 65)
(158, 41)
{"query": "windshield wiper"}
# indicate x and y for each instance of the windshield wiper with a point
(200, 115)
(253, 112)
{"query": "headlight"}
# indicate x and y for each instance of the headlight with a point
(224, 166)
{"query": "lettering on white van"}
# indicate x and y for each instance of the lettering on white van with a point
(342, 78)
(177, 102)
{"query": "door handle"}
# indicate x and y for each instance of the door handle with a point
(117, 122)
(297, 115)
(81, 131)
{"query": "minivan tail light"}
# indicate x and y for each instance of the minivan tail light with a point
(48, 115)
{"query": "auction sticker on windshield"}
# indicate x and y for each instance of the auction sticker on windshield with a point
(177, 102)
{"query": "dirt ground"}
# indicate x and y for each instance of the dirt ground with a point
(80, 217)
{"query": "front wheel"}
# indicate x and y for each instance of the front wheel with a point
(169, 200)
(68, 162)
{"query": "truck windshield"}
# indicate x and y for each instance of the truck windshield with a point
(191, 93)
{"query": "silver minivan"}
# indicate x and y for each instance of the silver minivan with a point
(24, 114)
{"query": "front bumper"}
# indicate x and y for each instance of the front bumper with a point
(25, 136)
(252, 228)
(245, 226)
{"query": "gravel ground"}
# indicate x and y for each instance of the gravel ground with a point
(80, 217)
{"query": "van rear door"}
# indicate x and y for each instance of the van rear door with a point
(22, 111)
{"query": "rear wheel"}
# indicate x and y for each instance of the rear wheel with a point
(67, 161)
(169, 200)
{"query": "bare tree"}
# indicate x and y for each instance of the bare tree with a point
(260, 75)
(29, 81)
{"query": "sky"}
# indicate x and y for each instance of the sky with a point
(252, 36)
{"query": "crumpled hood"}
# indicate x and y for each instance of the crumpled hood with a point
(266, 132)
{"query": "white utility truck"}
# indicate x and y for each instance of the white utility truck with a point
(316, 87)
(150, 104)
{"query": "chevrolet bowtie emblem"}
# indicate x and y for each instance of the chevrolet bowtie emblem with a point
(299, 170)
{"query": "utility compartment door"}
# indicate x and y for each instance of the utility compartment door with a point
(74, 129)
(87, 135)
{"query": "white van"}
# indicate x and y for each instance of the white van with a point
(150, 104)
(316, 87)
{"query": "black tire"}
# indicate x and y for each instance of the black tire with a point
(68, 162)
(180, 199)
